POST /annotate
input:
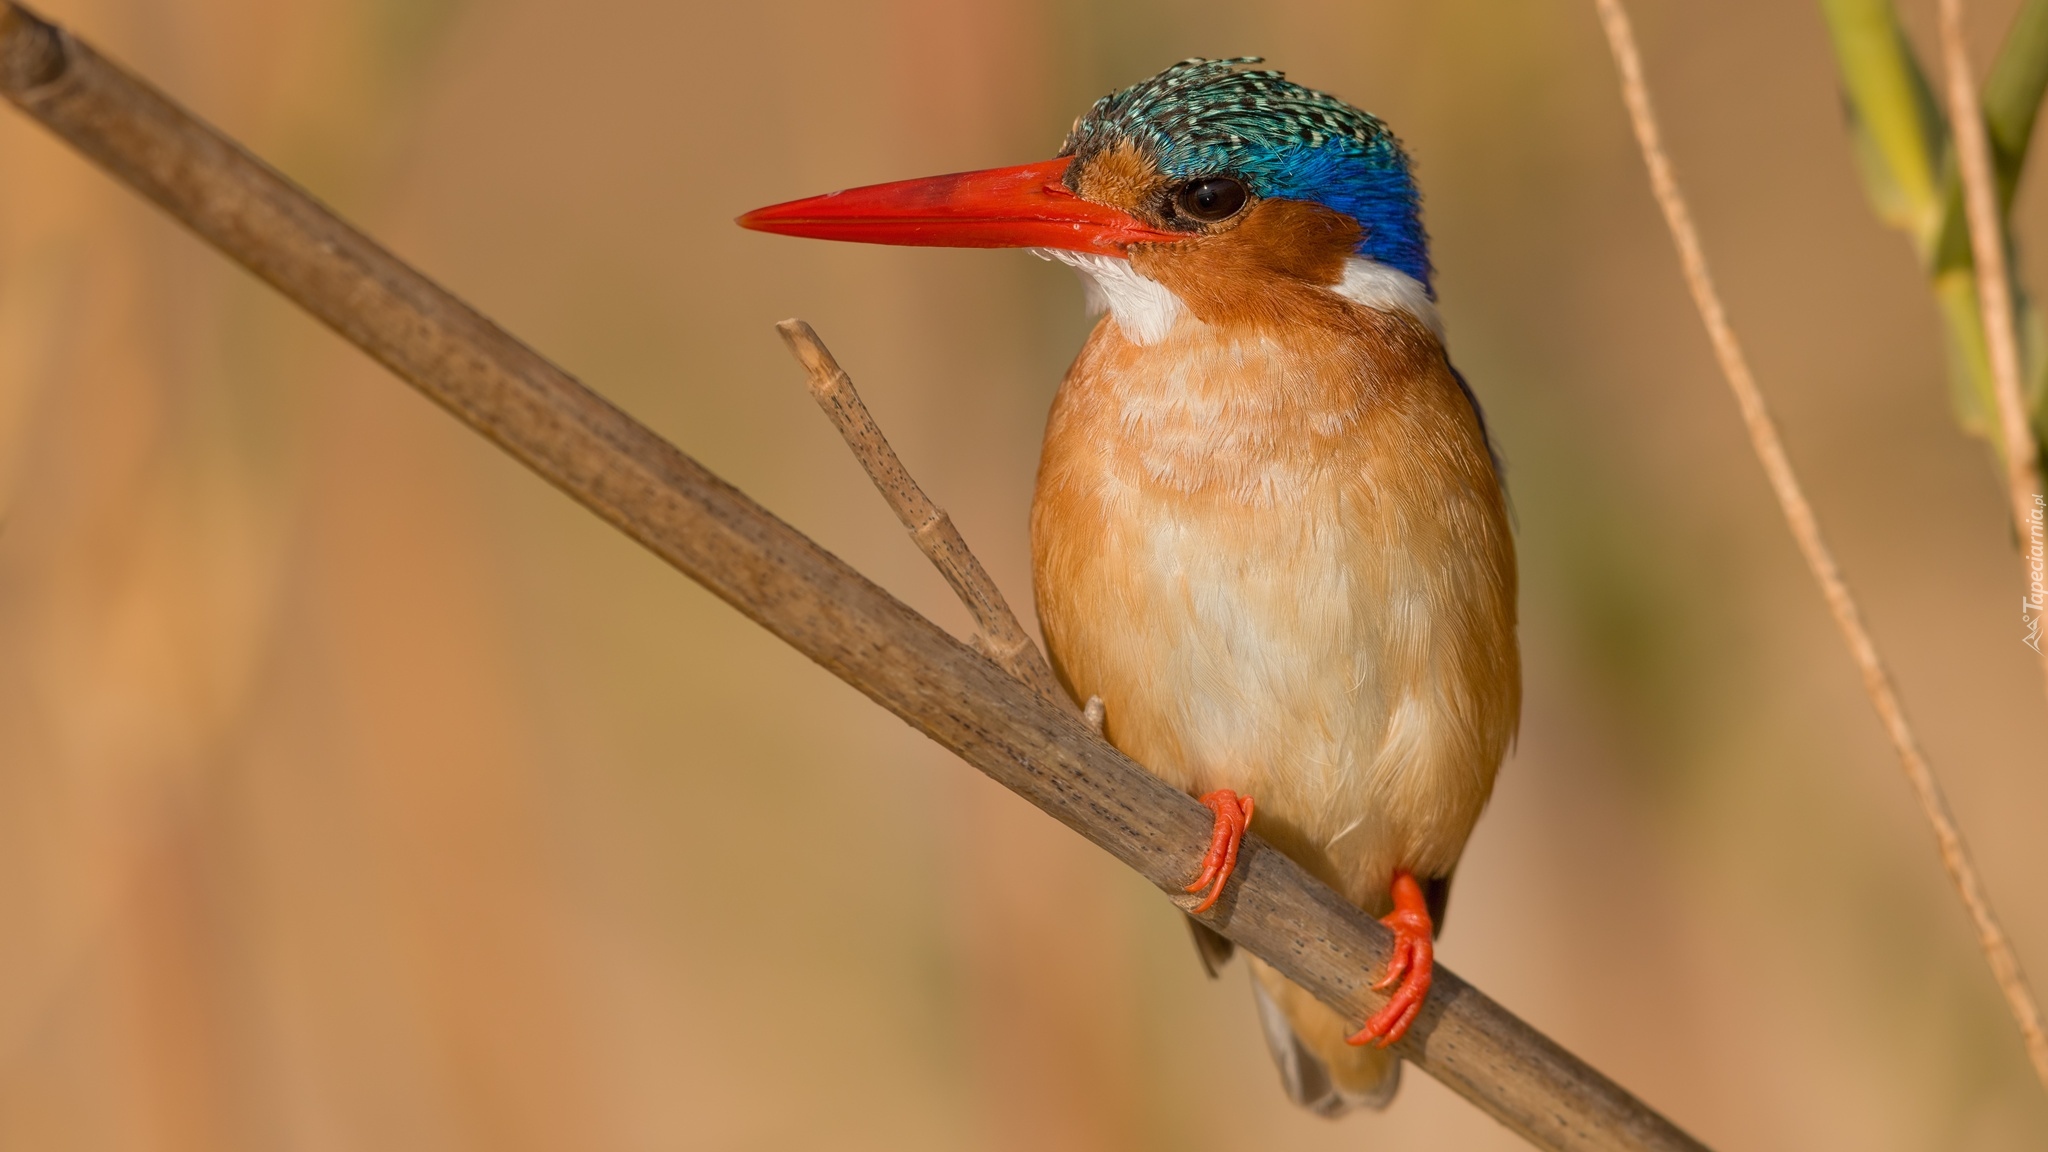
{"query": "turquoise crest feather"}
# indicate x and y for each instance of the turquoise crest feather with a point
(1287, 142)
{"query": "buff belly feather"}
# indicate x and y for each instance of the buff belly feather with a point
(1286, 571)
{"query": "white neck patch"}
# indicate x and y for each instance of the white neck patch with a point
(1147, 310)
(1385, 289)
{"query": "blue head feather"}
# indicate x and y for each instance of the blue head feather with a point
(1221, 117)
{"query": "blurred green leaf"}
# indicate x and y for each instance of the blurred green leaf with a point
(2012, 95)
(1894, 121)
(1901, 142)
(2012, 99)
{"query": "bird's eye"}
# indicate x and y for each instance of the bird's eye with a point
(1210, 200)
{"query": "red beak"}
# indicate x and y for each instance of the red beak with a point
(1022, 207)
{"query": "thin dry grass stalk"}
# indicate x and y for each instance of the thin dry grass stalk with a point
(1770, 451)
(649, 489)
(1994, 291)
(1994, 286)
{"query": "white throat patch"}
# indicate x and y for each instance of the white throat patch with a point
(1147, 310)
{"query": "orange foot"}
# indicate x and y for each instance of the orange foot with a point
(1411, 966)
(1233, 816)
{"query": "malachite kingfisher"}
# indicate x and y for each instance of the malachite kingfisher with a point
(1269, 532)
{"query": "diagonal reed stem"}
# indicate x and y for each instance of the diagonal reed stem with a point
(1770, 452)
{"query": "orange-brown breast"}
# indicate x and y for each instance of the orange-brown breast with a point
(1274, 544)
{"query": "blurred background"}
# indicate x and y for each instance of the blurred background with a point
(357, 790)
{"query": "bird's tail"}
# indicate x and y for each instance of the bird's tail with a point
(1320, 1071)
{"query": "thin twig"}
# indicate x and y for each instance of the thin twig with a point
(998, 632)
(1770, 451)
(1994, 299)
(742, 553)
(2017, 448)
(1994, 290)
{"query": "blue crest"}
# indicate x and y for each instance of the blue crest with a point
(1286, 142)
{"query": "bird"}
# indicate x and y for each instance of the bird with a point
(1270, 538)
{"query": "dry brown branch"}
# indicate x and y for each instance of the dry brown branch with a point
(1770, 451)
(1994, 293)
(999, 634)
(713, 533)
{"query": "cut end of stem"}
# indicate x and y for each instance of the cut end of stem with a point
(32, 53)
(823, 370)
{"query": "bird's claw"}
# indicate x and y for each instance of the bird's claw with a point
(1409, 969)
(1233, 816)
